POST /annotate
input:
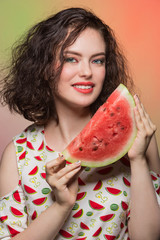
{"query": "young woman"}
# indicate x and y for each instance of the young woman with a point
(61, 73)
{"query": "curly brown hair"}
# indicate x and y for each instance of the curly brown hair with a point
(29, 86)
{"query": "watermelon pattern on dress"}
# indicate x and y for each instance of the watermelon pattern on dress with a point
(101, 210)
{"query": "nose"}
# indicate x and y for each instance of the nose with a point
(85, 70)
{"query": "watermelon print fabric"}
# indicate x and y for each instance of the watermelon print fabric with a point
(101, 210)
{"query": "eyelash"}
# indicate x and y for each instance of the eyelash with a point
(99, 61)
(95, 61)
(70, 59)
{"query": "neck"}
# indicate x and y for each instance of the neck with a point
(71, 122)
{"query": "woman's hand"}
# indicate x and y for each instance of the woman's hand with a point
(145, 131)
(63, 180)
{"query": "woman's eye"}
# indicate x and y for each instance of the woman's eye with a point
(99, 61)
(70, 60)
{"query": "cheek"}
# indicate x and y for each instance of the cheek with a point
(68, 72)
(66, 77)
(101, 75)
(63, 77)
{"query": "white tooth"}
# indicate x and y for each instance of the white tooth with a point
(83, 87)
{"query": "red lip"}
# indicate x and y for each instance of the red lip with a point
(84, 84)
(82, 90)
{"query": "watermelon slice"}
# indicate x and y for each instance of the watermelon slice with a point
(16, 196)
(78, 214)
(109, 134)
(3, 218)
(12, 231)
(97, 233)
(16, 212)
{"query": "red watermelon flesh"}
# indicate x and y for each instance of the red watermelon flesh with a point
(109, 134)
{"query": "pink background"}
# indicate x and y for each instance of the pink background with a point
(137, 27)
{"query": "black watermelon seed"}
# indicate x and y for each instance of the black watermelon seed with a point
(95, 148)
(114, 134)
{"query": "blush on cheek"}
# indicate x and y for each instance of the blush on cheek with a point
(67, 73)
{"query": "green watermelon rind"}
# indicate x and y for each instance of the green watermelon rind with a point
(88, 163)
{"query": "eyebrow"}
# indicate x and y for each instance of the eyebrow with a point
(78, 54)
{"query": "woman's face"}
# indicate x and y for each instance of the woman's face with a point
(83, 72)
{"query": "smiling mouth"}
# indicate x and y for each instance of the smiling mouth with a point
(82, 87)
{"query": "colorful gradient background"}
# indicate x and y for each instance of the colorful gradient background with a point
(137, 27)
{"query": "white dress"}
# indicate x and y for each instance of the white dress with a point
(101, 210)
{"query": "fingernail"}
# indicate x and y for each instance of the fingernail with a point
(78, 162)
(61, 156)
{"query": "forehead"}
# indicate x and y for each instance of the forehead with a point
(89, 40)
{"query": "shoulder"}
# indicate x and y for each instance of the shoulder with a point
(8, 151)
(8, 170)
(31, 132)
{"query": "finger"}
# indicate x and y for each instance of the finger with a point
(146, 115)
(146, 121)
(62, 163)
(152, 127)
(146, 118)
(139, 106)
(53, 166)
(151, 124)
(143, 118)
(67, 169)
(79, 172)
(142, 111)
(138, 120)
(54, 177)
(60, 179)
(70, 176)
